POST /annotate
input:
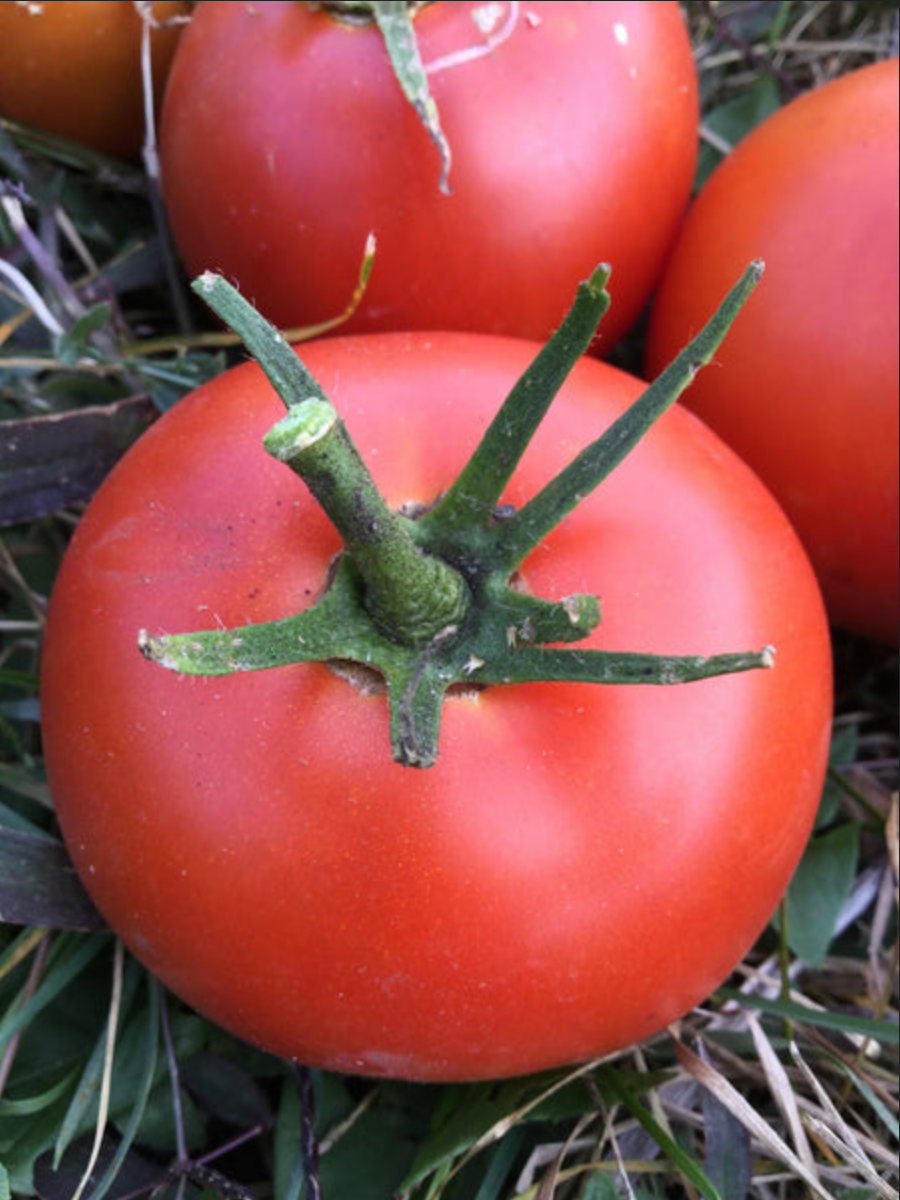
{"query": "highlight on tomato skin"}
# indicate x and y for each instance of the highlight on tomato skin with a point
(73, 68)
(808, 385)
(533, 898)
(285, 140)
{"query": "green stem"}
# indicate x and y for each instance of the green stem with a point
(530, 525)
(410, 595)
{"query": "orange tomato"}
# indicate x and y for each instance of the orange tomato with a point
(73, 68)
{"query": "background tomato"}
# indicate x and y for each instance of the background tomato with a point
(533, 898)
(807, 390)
(73, 67)
(286, 140)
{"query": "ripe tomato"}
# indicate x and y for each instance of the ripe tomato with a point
(808, 384)
(73, 67)
(582, 864)
(286, 139)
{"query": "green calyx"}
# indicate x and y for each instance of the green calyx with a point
(432, 603)
(394, 19)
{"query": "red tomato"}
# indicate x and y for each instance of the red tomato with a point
(582, 864)
(73, 67)
(807, 389)
(286, 139)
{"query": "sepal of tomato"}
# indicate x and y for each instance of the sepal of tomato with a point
(582, 864)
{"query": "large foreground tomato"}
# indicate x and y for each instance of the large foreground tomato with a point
(286, 140)
(73, 67)
(582, 864)
(807, 391)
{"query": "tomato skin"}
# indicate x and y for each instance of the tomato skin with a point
(535, 897)
(807, 392)
(73, 68)
(285, 141)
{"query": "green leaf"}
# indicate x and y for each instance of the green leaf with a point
(371, 1159)
(81, 1114)
(39, 885)
(68, 957)
(139, 1092)
(11, 819)
(879, 1031)
(495, 1175)
(819, 890)
(732, 121)
(464, 1116)
(727, 1158)
(688, 1166)
(368, 1136)
(844, 751)
(82, 1111)
(29, 1106)
(600, 1187)
(879, 1105)
(75, 345)
(49, 462)
(226, 1090)
(168, 381)
(288, 1160)
(21, 1150)
(135, 1176)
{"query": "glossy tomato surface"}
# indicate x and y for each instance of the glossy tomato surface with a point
(582, 864)
(73, 68)
(807, 384)
(286, 140)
